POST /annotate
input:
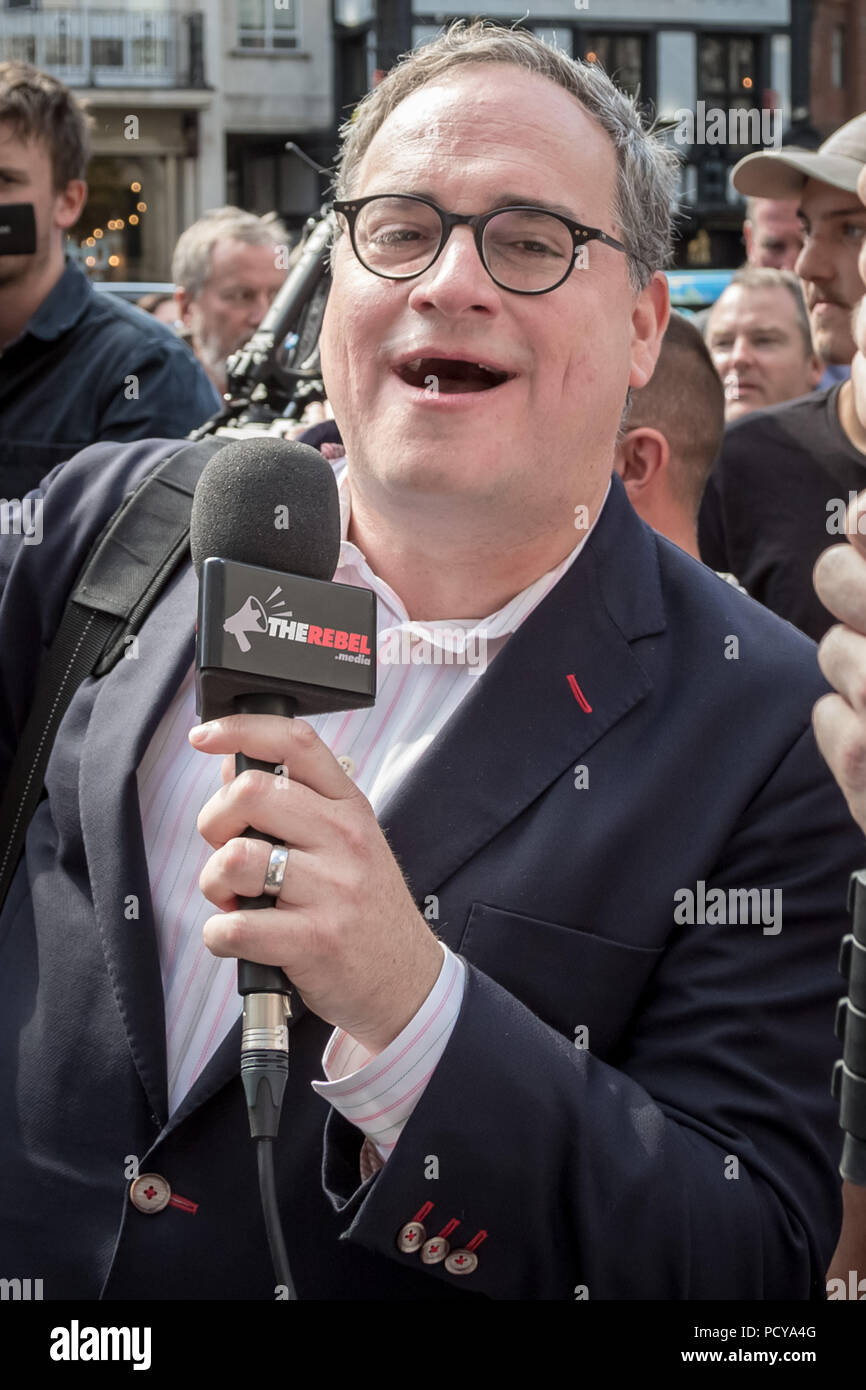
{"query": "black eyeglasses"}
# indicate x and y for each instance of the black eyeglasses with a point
(526, 250)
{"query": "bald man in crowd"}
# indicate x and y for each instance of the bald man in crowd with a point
(673, 435)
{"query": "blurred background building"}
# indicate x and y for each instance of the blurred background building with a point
(804, 58)
(194, 100)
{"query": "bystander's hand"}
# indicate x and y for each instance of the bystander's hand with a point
(840, 720)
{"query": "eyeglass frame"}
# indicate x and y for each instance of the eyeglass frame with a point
(350, 207)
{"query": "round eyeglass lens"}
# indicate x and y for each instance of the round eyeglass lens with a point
(529, 250)
(396, 236)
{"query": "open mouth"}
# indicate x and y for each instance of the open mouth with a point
(450, 376)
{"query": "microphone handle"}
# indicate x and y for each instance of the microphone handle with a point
(254, 978)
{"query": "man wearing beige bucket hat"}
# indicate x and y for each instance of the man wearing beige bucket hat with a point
(777, 496)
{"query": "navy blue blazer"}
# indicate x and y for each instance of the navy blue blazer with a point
(688, 1152)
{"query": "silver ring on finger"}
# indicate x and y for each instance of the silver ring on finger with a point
(276, 871)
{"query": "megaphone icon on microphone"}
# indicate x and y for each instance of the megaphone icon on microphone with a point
(250, 618)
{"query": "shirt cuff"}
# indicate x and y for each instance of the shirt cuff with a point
(378, 1092)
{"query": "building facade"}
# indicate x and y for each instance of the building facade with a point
(742, 58)
(837, 63)
(193, 102)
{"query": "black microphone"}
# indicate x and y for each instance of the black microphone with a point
(275, 636)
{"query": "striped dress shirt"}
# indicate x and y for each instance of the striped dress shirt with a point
(424, 671)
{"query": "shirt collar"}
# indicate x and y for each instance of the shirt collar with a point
(504, 621)
(64, 305)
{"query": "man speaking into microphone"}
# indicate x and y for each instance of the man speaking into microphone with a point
(561, 927)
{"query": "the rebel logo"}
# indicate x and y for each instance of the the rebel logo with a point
(336, 637)
(252, 617)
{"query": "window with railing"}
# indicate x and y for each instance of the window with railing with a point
(267, 24)
(64, 48)
(135, 48)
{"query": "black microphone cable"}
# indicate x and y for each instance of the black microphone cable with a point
(266, 994)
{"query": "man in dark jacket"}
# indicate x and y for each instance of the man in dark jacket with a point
(563, 932)
(76, 366)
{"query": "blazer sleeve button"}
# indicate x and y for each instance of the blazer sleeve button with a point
(411, 1237)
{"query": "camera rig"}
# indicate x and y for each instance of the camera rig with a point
(277, 373)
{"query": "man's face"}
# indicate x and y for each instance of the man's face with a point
(834, 223)
(568, 355)
(26, 177)
(237, 294)
(758, 349)
(773, 234)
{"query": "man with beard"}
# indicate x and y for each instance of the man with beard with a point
(75, 366)
(776, 497)
(227, 267)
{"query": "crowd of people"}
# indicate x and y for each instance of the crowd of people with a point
(479, 869)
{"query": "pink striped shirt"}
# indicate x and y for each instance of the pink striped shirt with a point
(424, 671)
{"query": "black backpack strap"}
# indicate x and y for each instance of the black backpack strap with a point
(128, 567)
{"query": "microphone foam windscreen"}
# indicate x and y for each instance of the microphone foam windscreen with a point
(269, 502)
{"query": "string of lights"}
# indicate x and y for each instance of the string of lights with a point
(115, 224)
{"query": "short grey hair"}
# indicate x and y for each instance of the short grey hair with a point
(765, 277)
(647, 169)
(190, 264)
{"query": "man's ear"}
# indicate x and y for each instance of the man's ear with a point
(69, 203)
(649, 320)
(641, 460)
(816, 370)
(183, 300)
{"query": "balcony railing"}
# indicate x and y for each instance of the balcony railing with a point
(108, 48)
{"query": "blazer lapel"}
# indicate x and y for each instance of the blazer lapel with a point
(131, 701)
(524, 722)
